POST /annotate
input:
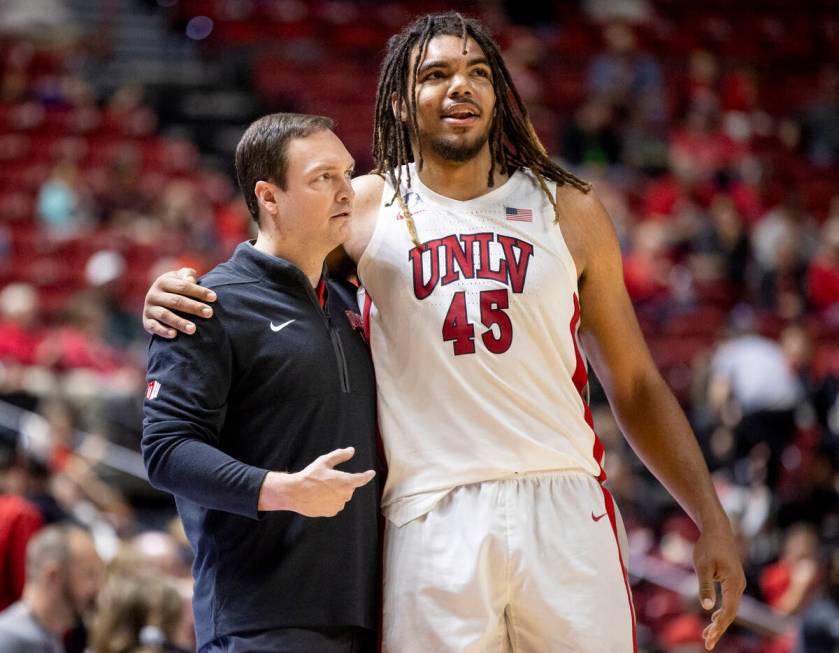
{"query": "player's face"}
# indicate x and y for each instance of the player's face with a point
(455, 98)
(315, 209)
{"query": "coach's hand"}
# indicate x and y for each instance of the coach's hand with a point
(317, 491)
(172, 291)
(716, 561)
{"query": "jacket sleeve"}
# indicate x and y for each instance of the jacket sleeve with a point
(188, 382)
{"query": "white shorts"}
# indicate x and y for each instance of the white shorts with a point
(529, 564)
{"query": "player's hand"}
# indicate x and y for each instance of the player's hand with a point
(317, 491)
(716, 561)
(172, 291)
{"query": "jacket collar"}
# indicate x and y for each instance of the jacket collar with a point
(270, 268)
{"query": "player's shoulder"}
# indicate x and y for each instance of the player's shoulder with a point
(583, 212)
(368, 188)
(368, 194)
(579, 203)
(586, 226)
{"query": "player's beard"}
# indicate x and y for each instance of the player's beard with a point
(460, 151)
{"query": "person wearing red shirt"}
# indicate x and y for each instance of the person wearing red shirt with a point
(823, 275)
(19, 521)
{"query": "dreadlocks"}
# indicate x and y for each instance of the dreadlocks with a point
(512, 139)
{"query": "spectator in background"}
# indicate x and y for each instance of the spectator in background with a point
(755, 390)
(160, 550)
(41, 19)
(164, 556)
(183, 210)
(591, 138)
(138, 612)
(783, 240)
(646, 267)
(104, 273)
(63, 206)
(19, 521)
(699, 149)
(820, 624)
(790, 583)
(30, 477)
(701, 86)
(80, 342)
(20, 330)
(823, 274)
(820, 122)
(122, 197)
(723, 241)
(233, 225)
(644, 140)
(623, 76)
(63, 576)
(630, 11)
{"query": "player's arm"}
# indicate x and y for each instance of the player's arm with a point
(178, 290)
(191, 380)
(368, 195)
(646, 409)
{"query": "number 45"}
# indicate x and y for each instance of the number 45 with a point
(457, 327)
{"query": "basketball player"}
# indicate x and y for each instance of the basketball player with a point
(490, 267)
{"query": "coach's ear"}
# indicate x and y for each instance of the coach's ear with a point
(266, 194)
(400, 111)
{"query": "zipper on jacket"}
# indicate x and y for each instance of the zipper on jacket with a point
(334, 338)
(339, 353)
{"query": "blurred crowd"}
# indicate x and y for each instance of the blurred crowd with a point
(721, 174)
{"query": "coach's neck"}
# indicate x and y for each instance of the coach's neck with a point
(307, 258)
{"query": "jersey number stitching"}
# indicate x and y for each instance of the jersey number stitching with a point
(458, 328)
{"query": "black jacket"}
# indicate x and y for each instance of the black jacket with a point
(270, 382)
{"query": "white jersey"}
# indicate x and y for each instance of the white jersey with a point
(474, 339)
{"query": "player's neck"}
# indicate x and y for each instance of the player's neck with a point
(460, 180)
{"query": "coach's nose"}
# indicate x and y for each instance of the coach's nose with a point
(346, 193)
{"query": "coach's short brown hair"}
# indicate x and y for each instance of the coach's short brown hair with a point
(261, 152)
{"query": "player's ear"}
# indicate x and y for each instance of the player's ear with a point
(267, 196)
(400, 111)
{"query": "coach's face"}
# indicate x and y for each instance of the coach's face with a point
(455, 98)
(314, 210)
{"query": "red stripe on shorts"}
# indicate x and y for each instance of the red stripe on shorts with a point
(610, 509)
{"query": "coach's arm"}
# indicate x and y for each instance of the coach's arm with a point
(648, 413)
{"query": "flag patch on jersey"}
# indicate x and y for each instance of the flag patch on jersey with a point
(152, 389)
(519, 215)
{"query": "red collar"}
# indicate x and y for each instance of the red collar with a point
(320, 291)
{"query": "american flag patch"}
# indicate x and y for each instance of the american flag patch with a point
(520, 215)
(152, 389)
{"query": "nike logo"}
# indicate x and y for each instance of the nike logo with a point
(599, 517)
(282, 326)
